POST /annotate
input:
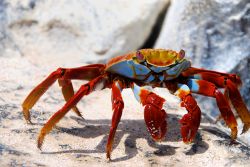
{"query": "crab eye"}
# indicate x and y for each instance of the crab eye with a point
(181, 54)
(139, 56)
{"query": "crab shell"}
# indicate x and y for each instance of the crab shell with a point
(149, 65)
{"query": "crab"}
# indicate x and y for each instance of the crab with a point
(138, 70)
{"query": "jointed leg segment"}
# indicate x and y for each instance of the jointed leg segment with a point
(228, 81)
(84, 90)
(117, 106)
(209, 89)
(68, 92)
(64, 75)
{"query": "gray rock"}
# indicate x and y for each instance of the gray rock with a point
(2, 28)
(80, 31)
(215, 35)
(243, 70)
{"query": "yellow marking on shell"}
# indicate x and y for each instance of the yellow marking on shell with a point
(160, 57)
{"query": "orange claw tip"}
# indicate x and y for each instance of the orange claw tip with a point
(234, 132)
(29, 122)
(39, 144)
(26, 113)
(188, 141)
(245, 128)
(108, 156)
(40, 141)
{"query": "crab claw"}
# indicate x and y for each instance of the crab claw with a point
(155, 116)
(190, 122)
(155, 120)
(188, 131)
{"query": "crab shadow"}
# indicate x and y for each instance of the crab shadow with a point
(133, 129)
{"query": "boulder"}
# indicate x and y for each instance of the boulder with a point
(80, 32)
(215, 35)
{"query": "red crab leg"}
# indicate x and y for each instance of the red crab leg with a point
(84, 90)
(209, 89)
(190, 121)
(68, 92)
(117, 106)
(84, 73)
(212, 76)
(228, 81)
(154, 115)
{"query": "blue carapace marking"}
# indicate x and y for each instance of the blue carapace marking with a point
(193, 85)
(136, 90)
(183, 87)
(158, 69)
(130, 69)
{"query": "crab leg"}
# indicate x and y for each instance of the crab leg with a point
(154, 115)
(209, 89)
(83, 73)
(190, 121)
(68, 92)
(117, 106)
(212, 76)
(84, 90)
(228, 81)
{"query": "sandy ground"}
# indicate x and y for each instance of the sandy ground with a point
(78, 142)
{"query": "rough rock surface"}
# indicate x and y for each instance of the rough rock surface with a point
(79, 31)
(215, 35)
(7, 45)
(243, 69)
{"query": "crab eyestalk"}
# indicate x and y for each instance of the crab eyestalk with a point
(181, 54)
(140, 57)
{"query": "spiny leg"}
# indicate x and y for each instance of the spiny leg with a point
(117, 106)
(190, 121)
(228, 81)
(83, 73)
(209, 89)
(84, 90)
(154, 115)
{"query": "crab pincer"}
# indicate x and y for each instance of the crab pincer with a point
(191, 121)
(154, 115)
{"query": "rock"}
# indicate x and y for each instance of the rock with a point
(7, 46)
(215, 35)
(242, 69)
(80, 31)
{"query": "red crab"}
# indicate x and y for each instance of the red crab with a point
(152, 67)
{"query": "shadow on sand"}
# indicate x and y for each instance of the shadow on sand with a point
(135, 129)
